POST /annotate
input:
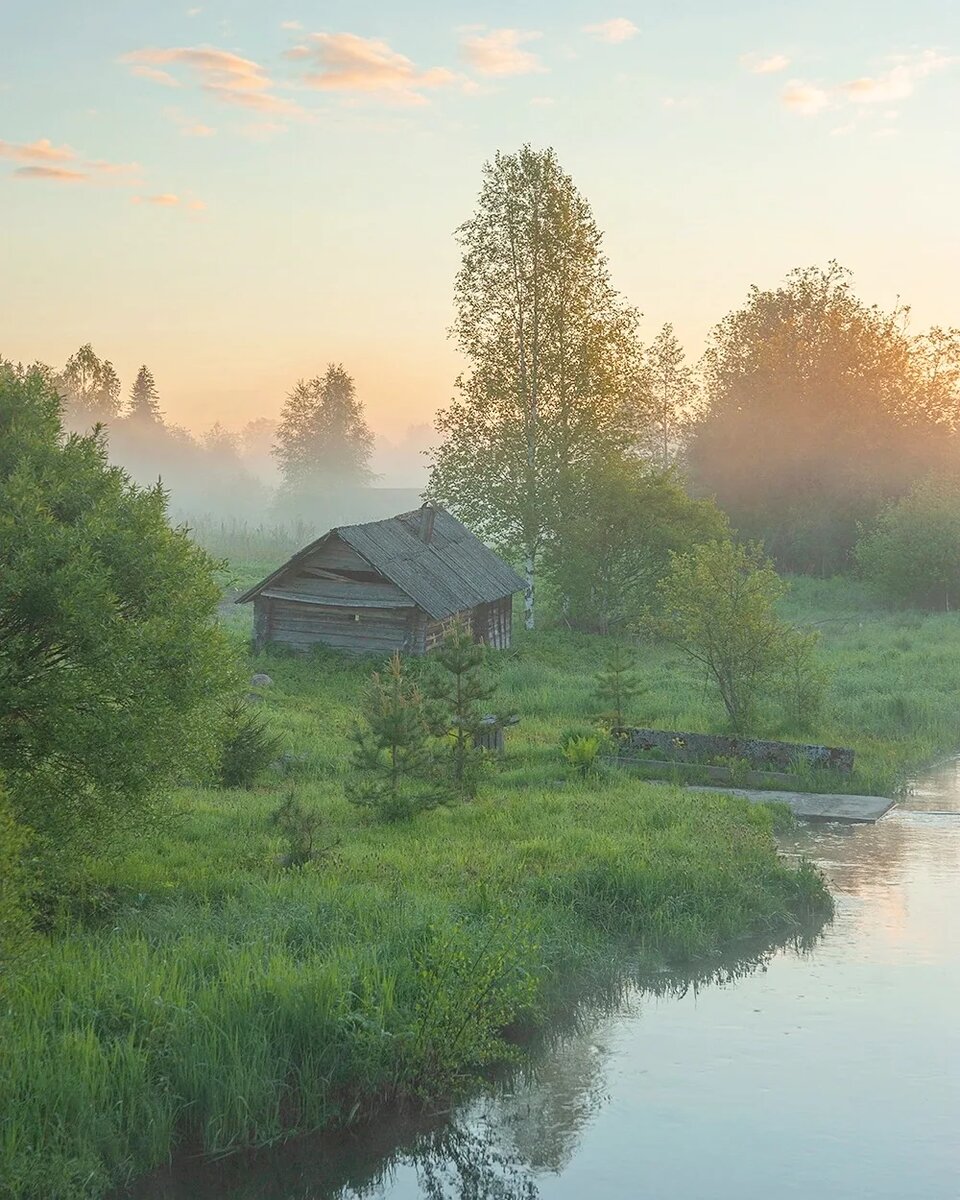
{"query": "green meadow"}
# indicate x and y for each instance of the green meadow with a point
(200, 997)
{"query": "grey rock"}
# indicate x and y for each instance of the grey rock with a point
(261, 680)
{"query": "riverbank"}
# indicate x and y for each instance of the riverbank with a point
(217, 1001)
(205, 998)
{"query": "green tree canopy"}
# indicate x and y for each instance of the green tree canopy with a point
(552, 379)
(111, 666)
(819, 407)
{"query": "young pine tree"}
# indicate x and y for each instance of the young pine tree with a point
(392, 753)
(145, 399)
(616, 684)
(459, 692)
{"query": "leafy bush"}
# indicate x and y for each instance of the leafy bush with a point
(912, 554)
(111, 666)
(719, 609)
(248, 746)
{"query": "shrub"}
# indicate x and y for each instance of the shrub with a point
(111, 665)
(719, 609)
(248, 746)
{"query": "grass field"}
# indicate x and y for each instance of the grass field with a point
(206, 998)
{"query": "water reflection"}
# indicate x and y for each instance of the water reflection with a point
(824, 1068)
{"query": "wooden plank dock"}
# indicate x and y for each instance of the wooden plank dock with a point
(814, 806)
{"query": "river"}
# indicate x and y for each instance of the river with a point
(828, 1071)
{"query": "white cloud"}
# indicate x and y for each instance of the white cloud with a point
(348, 63)
(500, 52)
(760, 65)
(290, 25)
(614, 31)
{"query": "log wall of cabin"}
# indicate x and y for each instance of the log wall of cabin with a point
(358, 631)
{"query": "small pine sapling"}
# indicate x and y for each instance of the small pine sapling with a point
(392, 751)
(459, 690)
(615, 685)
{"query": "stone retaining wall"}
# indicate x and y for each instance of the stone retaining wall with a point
(701, 747)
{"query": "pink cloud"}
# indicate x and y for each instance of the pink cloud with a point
(500, 52)
(163, 200)
(897, 82)
(155, 75)
(346, 62)
(57, 174)
(614, 31)
(41, 151)
(228, 77)
(759, 65)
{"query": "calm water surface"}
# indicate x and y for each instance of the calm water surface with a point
(831, 1073)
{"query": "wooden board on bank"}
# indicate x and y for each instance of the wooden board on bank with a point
(811, 806)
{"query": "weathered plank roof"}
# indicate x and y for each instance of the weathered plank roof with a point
(451, 572)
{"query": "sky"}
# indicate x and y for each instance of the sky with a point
(238, 193)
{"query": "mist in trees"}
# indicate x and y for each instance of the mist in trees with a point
(820, 408)
(322, 443)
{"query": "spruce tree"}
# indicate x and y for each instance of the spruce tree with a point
(145, 399)
(616, 684)
(392, 752)
(459, 691)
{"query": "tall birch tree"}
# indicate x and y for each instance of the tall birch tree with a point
(552, 379)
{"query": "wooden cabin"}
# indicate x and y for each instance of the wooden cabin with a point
(387, 585)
